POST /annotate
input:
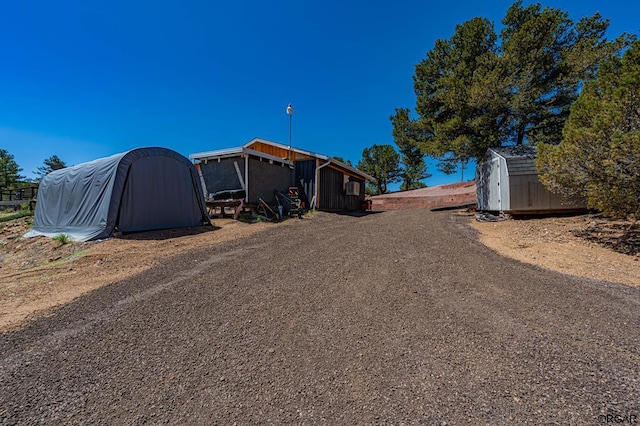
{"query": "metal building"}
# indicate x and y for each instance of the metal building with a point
(507, 181)
(260, 166)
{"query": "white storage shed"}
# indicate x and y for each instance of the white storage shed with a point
(507, 181)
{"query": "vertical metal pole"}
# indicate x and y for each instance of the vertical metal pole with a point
(290, 119)
(289, 153)
(293, 171)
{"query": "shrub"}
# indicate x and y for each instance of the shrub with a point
(62, 238)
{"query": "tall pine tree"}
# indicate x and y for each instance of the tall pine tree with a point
(477, 90)
(414, 168)
(9, 170)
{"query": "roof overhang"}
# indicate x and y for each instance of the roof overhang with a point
(351, 169)
(321, 157)
(287, 147)
(245, 150)
(235, 152)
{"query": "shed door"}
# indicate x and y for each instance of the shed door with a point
(493, 186)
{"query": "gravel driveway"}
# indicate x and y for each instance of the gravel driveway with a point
(398, 317)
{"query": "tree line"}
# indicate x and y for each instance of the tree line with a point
(10, 177)
(544, 79)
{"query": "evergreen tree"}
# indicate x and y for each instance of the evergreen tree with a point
(452, 128)
(342, 160)
(545, 57)
(382, 162)
(475, 90)
(50, 164)
(405, 134)
(9, 170)
(599, 157)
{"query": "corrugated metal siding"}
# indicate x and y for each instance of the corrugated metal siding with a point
(331, 189)
(528, 194)
(354, 202)
(305, 172)
(332, 192)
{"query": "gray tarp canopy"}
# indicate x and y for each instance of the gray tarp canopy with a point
(139, 190)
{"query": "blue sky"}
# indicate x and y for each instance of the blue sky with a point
(86, 79)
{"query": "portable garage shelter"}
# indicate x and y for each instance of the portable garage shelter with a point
(139, 190)
(507, 181)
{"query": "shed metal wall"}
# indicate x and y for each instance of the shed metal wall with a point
(528, 194)
(354, 202)
(305, 172)
(332, 191)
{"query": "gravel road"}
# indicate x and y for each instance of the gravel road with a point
(396, 318)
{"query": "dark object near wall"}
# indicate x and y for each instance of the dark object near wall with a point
(233, 194)
(229, 174)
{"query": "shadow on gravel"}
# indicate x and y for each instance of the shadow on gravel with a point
(353, 213)
(166, 234)
(618, 236)
(549, 215)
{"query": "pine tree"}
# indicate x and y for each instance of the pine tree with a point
(599, 157)
(477, 90)
(382, 162)
(405, 135)
(50, 164)
(9, 170)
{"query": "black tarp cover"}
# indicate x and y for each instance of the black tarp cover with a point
(139, 190)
